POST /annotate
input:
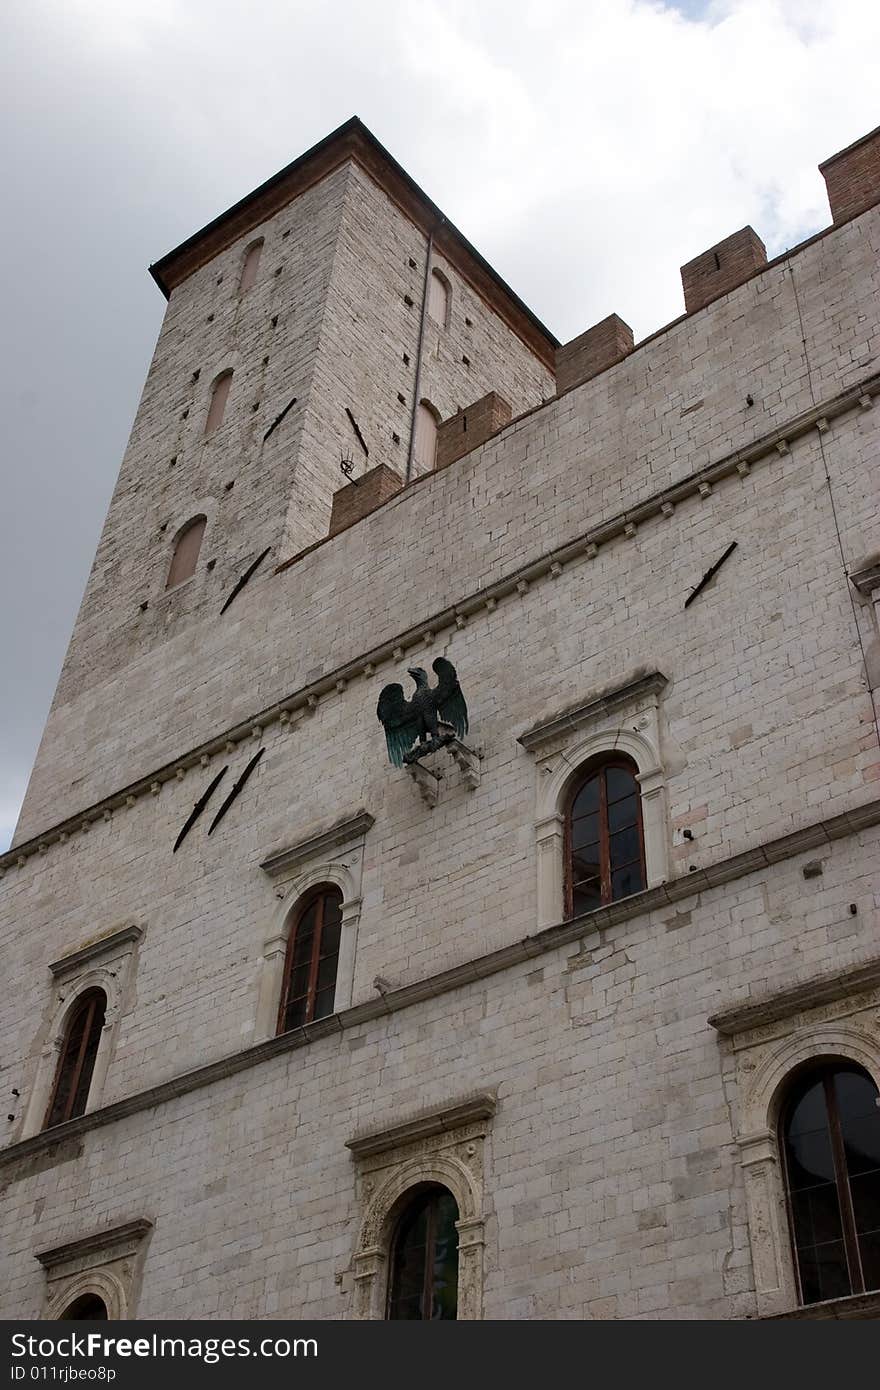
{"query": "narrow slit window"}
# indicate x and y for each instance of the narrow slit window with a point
(73, 1078)
(312, 959)
(250, 267)
(438, 298)
(186, 552)
(219, 397)
(425, 451)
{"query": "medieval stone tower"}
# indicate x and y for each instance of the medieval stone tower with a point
(576, 1016)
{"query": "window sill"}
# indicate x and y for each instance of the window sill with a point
(859, 1305)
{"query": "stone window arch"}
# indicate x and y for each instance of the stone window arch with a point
(250, 266)
(619, 727)
(87, 1307)
(76, 1062)
(441, 1149)
(99, 1271)
(185, 554)
(777, 1040)
(439, 298)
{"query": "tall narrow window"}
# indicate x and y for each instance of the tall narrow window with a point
(186, 552)
(604, 851)
(424, 1259)
(425, 451)
(312, 957)
(219, 397)
(830, 1139)
(76, 1064)
(250, 267)
(438, 298)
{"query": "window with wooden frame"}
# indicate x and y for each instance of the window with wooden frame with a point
(424, 1259)
(312, 959)
(186, 552)
(73, 1077)
(604, 836)
(830, 1144)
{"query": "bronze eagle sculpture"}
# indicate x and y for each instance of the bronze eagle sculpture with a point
(418, 719)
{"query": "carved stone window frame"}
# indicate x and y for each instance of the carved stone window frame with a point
(336, 857)
(444, 1147)
(624, 719)
(108, 1264)
(834, 1017)
(107, 964)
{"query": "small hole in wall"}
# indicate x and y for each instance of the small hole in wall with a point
(468, 323)
(209, 319)
(210, 565)
(255, 407)
(401, 397)
(412, 264)
(408, 300)
(275, 321)
(465, 360)
(164, 526)
(197, 373)
(396, 438)
(285, 234)
(265, 361)
(219, 279)
(227, 487)
(144, 606)
(172, 462)
(278, 270)
(184, 415)
(406, 359)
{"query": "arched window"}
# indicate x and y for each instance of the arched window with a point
(604, 840)
(312, 958)
(424, 1259)
(830, 1141)
(186, 551)
(87, 1308)
(219, 397)
(425, 450)
(438, 298)
(250, 267)
(76, 1064)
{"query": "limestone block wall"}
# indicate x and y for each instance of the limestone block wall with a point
(612, 1183)
(674, 406)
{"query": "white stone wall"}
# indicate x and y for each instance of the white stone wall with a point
(612, 1186)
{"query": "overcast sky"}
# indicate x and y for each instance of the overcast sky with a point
(588, 148)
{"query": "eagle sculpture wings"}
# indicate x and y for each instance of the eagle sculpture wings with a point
(406, 721)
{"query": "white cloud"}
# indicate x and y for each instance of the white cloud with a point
(587, 147)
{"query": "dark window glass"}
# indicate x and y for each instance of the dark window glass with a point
(424, 1259)
(605, 854)
(87, 1308)
(312, 960)
(76, 1064)
(831, 1145)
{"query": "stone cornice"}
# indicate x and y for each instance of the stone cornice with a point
(867, 577)
(439, 1120)
(131, 1231)
(516, 584)
(344, 832)
(651, 683)
(590, 925)
(96, 949)
(822, 989)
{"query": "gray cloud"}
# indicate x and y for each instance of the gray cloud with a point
(587, 149)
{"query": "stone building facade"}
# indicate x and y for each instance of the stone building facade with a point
(655, 561)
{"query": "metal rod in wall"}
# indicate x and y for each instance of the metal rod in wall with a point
(429, 255)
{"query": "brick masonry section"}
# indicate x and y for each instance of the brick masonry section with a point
(362, 496)
(852, 177)
(471, 427)
(722, 268)
(591, 352)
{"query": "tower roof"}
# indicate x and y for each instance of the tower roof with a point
(353, 141)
